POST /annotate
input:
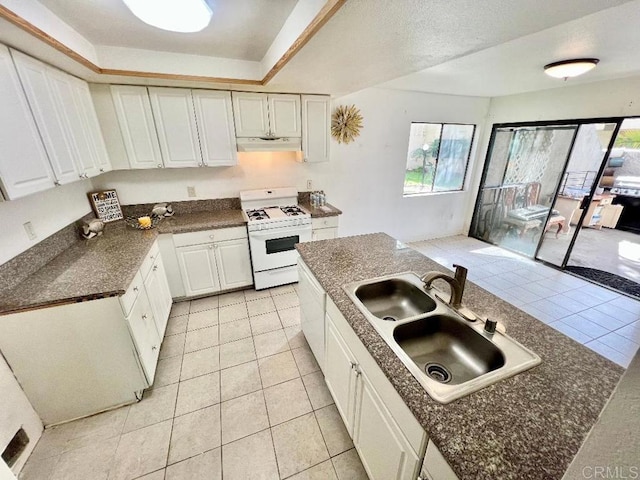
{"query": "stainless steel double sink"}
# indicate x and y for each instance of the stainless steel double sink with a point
(449, 355)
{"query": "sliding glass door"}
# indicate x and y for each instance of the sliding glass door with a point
(580, 182)
(523, 172)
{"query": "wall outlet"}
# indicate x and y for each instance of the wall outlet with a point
(309, 185)
(191, 191)
(31, 233)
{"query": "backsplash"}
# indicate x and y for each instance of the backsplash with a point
(20, 267)
(189, 206)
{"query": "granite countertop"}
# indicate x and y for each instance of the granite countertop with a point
(196, 221)
(101, 267)
(329, 211)
(526, 427)
(104, 266)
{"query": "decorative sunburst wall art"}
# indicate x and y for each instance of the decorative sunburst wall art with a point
(346, 123)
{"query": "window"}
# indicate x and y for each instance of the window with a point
(437, 158)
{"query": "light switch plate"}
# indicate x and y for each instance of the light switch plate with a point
(191, 191)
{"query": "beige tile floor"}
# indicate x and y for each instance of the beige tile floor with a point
(601, 319)
(237, 395)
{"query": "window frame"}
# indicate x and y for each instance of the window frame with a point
(437, 158)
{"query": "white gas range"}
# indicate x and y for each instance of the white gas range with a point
(275, 223)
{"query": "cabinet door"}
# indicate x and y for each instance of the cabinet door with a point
(133, 110)
(198, 269)
(24, 165)
(93, 127)
(383, 449)
(250, 112)
(324, 234)
(70, 95)
(50, 118)
(284, 115)
(316, 122)
(214, 118)
(234, 263)
(339, 374)
(145, 335)
(157, 289)
(176, 126)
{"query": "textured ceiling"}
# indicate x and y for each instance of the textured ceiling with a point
(611, 35)
(369, 42)
(239, 29)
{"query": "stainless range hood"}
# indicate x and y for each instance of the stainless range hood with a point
(269, 144)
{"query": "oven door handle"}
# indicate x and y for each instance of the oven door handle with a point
(277, 233)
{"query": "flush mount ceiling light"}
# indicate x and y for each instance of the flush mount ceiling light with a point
(173, 15)
(570, 68)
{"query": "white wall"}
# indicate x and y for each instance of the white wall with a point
(367, 176)
(254, 170)
(364, 179)
(48, 211)
(614, 98)
(16, 412)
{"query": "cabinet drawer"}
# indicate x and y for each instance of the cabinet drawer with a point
(149, 260)
(127, 300)
(324, 222)
(209, 236)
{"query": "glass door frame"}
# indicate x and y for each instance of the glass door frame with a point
(586, 201)
(578, 122)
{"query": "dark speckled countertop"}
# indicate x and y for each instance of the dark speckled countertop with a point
(329, 211)
(526, 427)
(105, 266)
(101, 267)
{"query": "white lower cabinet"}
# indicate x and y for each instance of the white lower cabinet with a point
(340, 375)
(213, 260)
(324, 228)
(157, 288)
(385, 452)
(198, 269)
(234, 263)
(82, 358)
(389, 440)
(145, 334)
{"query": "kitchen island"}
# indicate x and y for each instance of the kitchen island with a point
(527, 426)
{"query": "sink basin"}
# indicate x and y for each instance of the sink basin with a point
(447, 350)
(394, 299)
(449, 356)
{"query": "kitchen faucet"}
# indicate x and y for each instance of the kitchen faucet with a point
(457, 283)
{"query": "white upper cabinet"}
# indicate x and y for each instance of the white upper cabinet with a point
(92, 127)
(176, 126)
(316, 124)
(251, 113)
(284, 115)
(24, 166)
(214, 118)
(68, 97)
(138, 130)
(45, 95)
(262, 114)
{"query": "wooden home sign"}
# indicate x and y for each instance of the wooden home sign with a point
(106, 205)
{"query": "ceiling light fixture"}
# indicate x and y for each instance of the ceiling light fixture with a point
(173, 15)
(570, 68)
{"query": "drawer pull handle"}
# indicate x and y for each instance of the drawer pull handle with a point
(211, 237)
(144, 316)
(155, 267)
(154, 348)
(135, 289)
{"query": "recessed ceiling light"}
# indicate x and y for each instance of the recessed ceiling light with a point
(174, 15)
(570, 68)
